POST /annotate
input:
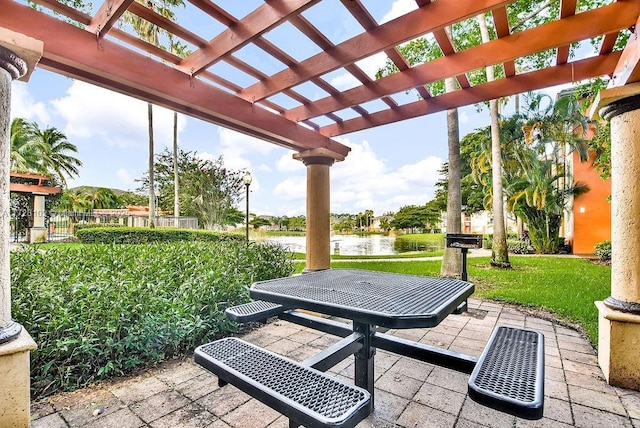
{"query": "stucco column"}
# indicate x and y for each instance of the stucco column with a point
(318, 163)
(619, 314)
(37, 232)
(18, 55)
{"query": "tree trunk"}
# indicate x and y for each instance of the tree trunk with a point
(452, 259)
(152, 195)
(176, 193)
(499, 252)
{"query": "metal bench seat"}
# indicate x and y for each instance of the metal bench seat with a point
(509, 375)
(306, 396)
(255, 311)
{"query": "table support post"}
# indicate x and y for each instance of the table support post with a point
(364, 367)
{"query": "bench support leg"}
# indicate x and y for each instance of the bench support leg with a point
(364, 360)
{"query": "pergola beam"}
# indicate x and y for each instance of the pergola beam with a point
(628, 68)
(414, 24)
(535, 80)
(608, 19)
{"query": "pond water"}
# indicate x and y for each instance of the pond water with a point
(349, 245)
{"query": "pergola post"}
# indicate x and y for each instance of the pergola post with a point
(318, 163)
(619, 314)
(38, 232)
(18, 56)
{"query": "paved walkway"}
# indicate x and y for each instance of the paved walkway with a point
(408, 393)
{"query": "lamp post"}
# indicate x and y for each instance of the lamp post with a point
(247, 182)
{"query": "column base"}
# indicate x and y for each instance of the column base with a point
(15, 405)
(619, 346)
(37, 234)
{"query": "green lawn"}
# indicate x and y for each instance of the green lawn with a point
(565, 287)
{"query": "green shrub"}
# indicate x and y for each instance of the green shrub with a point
(516, 246)
(82, 226)
(139, 235)
(602, 250)
(96, 311)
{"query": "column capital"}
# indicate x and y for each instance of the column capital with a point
(612, 102)
(19, 54)
(320, 156)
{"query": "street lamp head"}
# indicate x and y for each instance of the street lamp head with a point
(247, 178)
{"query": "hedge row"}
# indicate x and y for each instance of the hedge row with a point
(138, 235)
(98, 311)
(81, 226)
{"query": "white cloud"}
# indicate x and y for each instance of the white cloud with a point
(237, 148)
(399, 8)
(291, 189)
(24, 106)
(94, 112)
(366, 181)
(125, 178)
(288, 164)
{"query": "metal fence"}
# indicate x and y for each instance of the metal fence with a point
(60, 225)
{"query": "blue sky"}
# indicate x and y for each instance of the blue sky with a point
(388, 167)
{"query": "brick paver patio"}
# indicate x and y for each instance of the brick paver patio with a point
(409, 393)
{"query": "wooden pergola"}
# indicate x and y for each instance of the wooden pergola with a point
(270, 103)
(97, 50)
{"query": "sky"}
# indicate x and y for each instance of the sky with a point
(388, 167)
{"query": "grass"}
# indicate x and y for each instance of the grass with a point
(565, 287)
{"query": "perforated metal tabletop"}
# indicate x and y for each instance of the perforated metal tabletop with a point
(378, 298)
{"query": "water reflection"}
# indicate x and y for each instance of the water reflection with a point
(349, 245)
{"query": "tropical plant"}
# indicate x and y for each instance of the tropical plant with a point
(539, 196)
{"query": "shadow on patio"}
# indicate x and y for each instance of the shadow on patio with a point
(408, 393)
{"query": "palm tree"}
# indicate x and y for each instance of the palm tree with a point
(24, 151)
(42, 151)
(75, 202)
(151, 34)
(56, 151)
(499, 252)
(182, 51)
(104, 198)
(540, 196)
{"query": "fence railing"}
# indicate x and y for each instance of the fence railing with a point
(60, 225)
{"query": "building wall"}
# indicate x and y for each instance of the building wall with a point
(592, 211)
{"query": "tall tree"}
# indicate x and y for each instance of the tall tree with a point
(499, 252)
(209, 192)
(182, 51)
(151, 33)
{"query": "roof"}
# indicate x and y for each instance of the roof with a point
(272, 103)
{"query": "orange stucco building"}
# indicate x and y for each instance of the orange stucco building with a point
(590, 216)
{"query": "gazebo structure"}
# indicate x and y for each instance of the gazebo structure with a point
(95, 49)
(33, 184)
